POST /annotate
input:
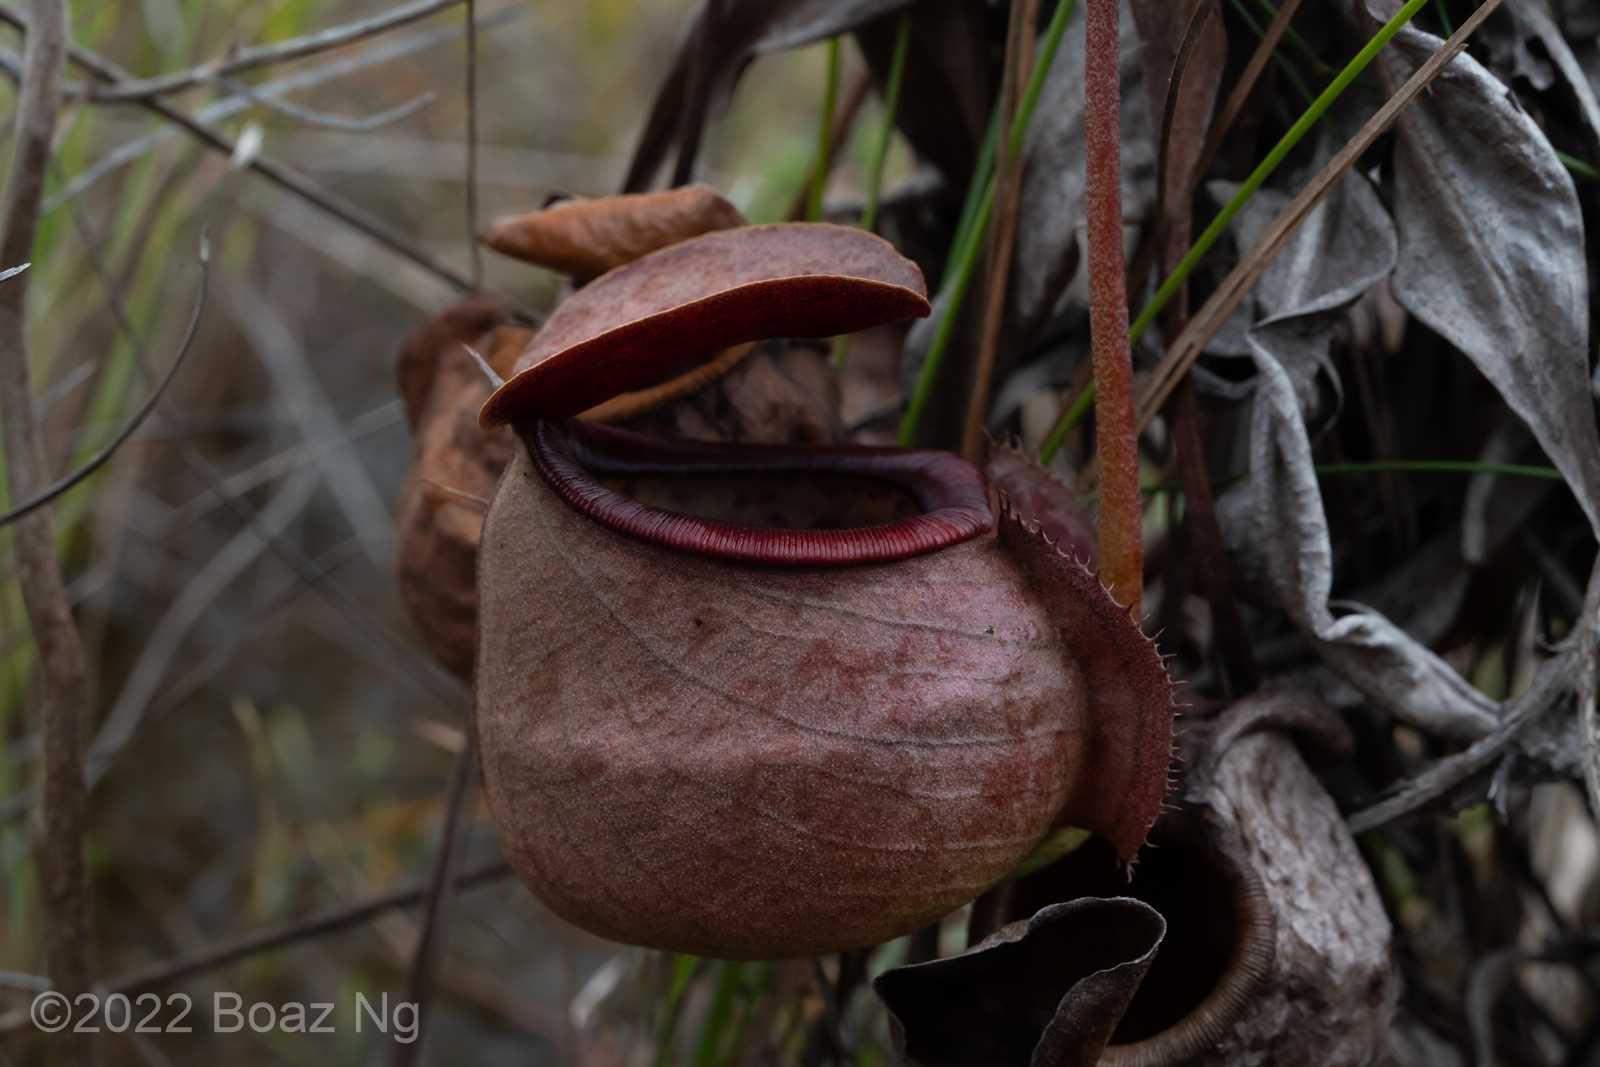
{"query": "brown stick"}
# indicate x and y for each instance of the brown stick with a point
(1173, 217)
(429, 952)
(1008, 172)
(1232, 642)
(1209, 319)
(63, 678)
(472, 145)
(1241, 91)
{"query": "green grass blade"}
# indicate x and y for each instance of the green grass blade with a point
(728, 982)
(982, 171)
(965, 253)
(891, 103)
(830, 98)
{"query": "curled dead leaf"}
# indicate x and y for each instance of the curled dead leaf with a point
(454, 469)
(587, 238)
(1046, 991)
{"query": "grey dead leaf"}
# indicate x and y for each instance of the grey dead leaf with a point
(1491, 249)
(1275, 518)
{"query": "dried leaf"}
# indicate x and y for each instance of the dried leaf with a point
(1047, 991)
(657, 314)
(453, 471)
(1345, 247)
(1491, 249)
(1277, 516)
(586, 238)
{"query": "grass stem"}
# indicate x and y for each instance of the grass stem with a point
(830, 97)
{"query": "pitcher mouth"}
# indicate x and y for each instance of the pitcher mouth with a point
(572, 455)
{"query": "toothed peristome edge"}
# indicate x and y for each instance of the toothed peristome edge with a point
(1033, 529)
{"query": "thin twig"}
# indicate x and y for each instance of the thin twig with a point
(268, 54)
(843, 119)
(825, 153)
(1571, 668)
(275, 172)
(103, 457)
(331, 921)
(63, 675)
(386, 52)
(447, 861)
(343, 123)
(1008, 171)
(1241, 91)
(262, 526)
(1173, 217)
(472, 145)
(891, 104)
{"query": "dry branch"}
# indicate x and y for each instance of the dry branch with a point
(429, 952)
(1571, 670)
(101, 458)
(63, 681)
(1241, 91)
(326, 922)
(1008, 183)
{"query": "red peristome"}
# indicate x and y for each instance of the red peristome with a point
(649, 318)
(1116, 439)
(949, 490)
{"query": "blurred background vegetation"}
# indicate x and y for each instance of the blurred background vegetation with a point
(287, 759)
